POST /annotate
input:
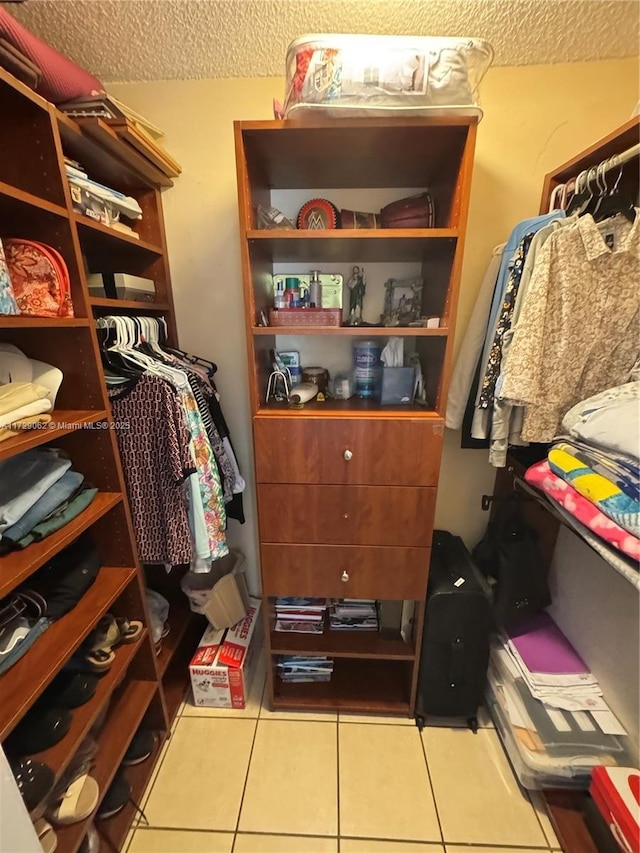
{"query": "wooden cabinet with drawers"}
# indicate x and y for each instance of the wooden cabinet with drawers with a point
(347, 489)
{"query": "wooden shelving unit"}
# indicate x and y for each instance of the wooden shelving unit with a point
(35, 203)
(338, 461)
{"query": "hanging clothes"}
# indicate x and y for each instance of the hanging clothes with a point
(579, 331)
(156, 463)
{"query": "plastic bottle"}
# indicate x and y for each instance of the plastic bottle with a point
(367, 369)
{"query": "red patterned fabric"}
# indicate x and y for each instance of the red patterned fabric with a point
(61, 80)
(39, 278)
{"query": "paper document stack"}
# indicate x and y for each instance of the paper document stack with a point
(297, 668)
(300, 615)
(353, 614)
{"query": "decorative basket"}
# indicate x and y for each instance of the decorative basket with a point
(305, 317)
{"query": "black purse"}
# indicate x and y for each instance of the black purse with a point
(509, 556)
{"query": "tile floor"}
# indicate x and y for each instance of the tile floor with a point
(261, 782)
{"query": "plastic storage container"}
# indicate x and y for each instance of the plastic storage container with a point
(221, 594)
(367, 369)
(351, 75)
(397, 386)
(541, 755)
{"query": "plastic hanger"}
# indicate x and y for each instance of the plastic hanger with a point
(615, 202)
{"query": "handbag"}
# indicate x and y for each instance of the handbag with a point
(509, 556)
(39, 277)
(416, 211)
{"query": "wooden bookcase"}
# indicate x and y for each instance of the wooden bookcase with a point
(347, 489)
(140, 687)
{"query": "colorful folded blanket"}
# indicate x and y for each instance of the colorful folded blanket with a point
(622, 470)
(542, 477)
(606, 495)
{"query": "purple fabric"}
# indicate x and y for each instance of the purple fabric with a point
(544, 648)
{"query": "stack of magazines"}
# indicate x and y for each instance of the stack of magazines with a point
(298, 668)
(300, 615)
(353, 614)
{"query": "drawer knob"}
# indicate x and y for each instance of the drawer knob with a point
(345, 577)
(346, 516)
(348, 455)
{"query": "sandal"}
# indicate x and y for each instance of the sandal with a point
(77, 803)
(46, 835)
(108, 635)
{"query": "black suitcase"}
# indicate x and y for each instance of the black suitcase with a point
(455, 640)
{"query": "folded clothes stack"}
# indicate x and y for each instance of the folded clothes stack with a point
(28, 391)
(593, 474)
(39, 494)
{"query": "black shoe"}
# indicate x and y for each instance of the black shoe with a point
(39, 729)
(140, 748)
(116, 798)
(72, 690)
(35, 782)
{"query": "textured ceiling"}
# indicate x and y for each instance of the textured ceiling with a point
(128, 40)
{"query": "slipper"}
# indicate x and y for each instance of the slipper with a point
(40, 729)
(72, 690)
(142, 745)
(130, 629)
(77, 803)
(35, 782)
(46, 835)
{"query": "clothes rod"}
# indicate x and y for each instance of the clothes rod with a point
(622, 158)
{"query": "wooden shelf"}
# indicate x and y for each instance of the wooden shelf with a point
(122, 723)
(94, 234)
(59, 756)
(364, 152)
(346, 644)
(21, 321)
(106, 158)
(180, 618)
(355, 407)
(385, 244)
(17, 566)
(565, 813)
(98, 302)
(176, 679)
(21, 685)
(359, 686)
(72, 419)
(354, 331)
(13, 195)
(114, 830)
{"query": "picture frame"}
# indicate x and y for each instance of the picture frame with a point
(402, 302)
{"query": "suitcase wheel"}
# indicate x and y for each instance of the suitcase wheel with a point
(420, 721)
(472, 722)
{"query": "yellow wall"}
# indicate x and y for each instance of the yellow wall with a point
(535, 118)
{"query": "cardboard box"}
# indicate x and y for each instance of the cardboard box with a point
(225, 661)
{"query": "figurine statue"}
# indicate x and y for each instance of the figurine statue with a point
(357, 289)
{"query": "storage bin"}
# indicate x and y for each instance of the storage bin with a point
(397, 386)
(221, 594)
(540, 758)
(351, 75)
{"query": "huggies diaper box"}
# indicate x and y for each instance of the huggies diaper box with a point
(225, 661)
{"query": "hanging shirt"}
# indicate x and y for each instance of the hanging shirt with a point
(579, 329)
(156, 462)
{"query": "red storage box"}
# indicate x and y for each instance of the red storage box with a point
(616, 792)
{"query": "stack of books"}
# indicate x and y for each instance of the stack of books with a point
(297, 668)
(300, 615)
(353, 614)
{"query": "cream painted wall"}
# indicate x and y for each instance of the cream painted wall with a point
(535, 118)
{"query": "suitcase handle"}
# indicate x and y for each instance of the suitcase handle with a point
(456, 667)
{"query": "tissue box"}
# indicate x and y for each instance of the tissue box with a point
(397, 386)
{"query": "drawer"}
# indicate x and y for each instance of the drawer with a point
(346, 515)
(344, 571)
(355, 451)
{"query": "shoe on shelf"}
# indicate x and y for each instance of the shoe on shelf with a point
(109, 633)
(35, 782)
(78, 802)
(116, 798)
(46, 835)
(72, 690)
(140, 748)
(91, 841)
(41, 728)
